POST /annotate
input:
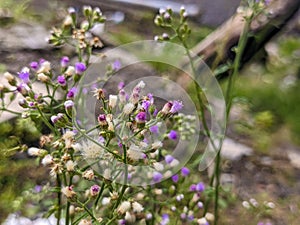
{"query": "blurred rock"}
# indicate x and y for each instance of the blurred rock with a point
(233, 150)
(294, 158)
(23, 36)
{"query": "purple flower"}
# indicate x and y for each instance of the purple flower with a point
(116, 65)
(157, 176)
(141, 117)
(154, 129)
(146, 104)
(38, 188)
(169, 159)
(165, 219)
(200, 187)
(122, 222)
(64, 61)
(121, 85)
(54, 119)
(68, 104)
(34, 65)
(151, 99)
(193, 187)
(24, 75)
(177, 105)
(267, 2)
(182, 216)
(260, 223)
(175, 178)
(94, 190)
(42, 60)
(172, 135)
(71, 93)
(61, 80)
(190, 217)
(79, 68)
(102, 120)
(185, 171)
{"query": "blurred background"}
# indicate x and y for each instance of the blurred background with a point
(262, 150)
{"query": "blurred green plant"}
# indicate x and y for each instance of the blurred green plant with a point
(11, 135)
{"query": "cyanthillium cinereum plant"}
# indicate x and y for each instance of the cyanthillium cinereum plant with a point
(122, 169)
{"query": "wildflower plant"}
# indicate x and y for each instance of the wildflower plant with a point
(120, 157)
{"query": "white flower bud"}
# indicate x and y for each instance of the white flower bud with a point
(45, 67)
(113, 101)
(33, 151)
(124, 207)
(137, 207)
(42, 77)
(47, 160)
(70, 165)
(128, 108)
(70, 71)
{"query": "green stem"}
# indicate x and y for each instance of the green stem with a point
(58, 184)
(229, 97)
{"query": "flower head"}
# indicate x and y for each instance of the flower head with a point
(34, 65)
(176, 106)
(116, 65)
(124, 207)
(61, 80)
(79, 68)
(141, 117)
(24, 75)
(68, 191)
(71, 93)
(94, 190)
(172, 135)
(64, 61)
(157, 176)
(185, 171)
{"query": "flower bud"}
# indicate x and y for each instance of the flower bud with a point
(45, 67)
(42, 77)
(10, 78)
(68, 191)
(94, 190)
(112, 101)
(87, 10)
(70, 71)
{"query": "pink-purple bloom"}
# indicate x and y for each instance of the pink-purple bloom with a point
(24, 75)
(177, 106)
(71, 93)
(121, 85)
(141, 117)
(175, 178)
(34, 65)
(64, 61)
(169, 159)
(172, 135)
(185, 171)
(200, 187)
(68, 104)
(157, 176)
(146, 104)
(116, 65)
(165, 219)
(154, 129)
(79, 68)
(94, 190)
(61, 80)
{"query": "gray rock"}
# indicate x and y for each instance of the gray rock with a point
(294, 158)
(233, 150)
(23, 36)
